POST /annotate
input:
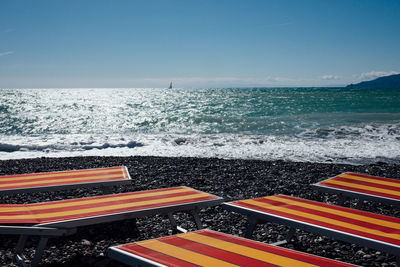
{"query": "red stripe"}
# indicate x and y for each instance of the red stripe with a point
(154, 255)
(372, 184)
(52, 178)
(374, 193)
(353, 221)
(60, 172)
(354, 211)
(213, 252)
(99, 213)
(372, 177)
(320, 223)
(273, 249)
(95, 205)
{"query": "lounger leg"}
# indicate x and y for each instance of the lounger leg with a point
(39, 251)
(290, 234)
(21, 243)
(252, 222)
(195, 215)
(19, 249)
(135, 227)
(173, 223)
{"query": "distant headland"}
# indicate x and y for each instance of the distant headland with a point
(386, 82)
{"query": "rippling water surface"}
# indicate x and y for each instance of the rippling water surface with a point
(302, 124)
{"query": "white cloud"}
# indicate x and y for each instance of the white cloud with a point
(376, 74)
(330, 77)
(9, 30)
(6, 53)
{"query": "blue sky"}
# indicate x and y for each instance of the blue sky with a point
(196, 43)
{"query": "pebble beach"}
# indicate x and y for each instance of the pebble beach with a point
(230, 179)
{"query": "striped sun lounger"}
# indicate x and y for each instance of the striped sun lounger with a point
(362, 186)
(46, 181)
(350, 225)
(55, 218)
(210, 248)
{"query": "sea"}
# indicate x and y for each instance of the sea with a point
(334, 125)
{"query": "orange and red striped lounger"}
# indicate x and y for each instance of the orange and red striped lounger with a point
(362, 186)
(350, 225)
(210, 248)
(46, 181)
(68, 214)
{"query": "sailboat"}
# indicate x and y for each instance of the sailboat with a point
(170, 86)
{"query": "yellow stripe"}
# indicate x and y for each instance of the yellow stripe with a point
(62, 180)
(183, 254)
(370, 180)
(244, 250)
(365, 187)
(322, 219)
(102, 208)
(51, 175)
(52, 205)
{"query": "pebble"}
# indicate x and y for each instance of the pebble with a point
(86, 242)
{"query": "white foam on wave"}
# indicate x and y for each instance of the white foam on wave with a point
(365, 145)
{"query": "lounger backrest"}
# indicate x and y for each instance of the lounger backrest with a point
(62, 179)
(64, 212)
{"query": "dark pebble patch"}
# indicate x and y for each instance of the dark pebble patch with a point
(231, 179)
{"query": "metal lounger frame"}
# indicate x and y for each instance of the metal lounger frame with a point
(255, 217)
(68, 227)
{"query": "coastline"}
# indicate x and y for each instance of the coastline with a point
(232, 179)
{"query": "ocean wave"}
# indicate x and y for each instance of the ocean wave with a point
(74, 146)
(371, 146)
(9, 147)
(368, 132)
